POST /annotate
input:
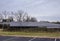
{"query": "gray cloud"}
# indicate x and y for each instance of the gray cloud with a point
(37, 8)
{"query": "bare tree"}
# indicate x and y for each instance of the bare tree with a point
(20, 15)
(28, 18)
(4, 14)
(25, 16)
(1, 17)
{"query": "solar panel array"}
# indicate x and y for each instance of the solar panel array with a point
(38, 24)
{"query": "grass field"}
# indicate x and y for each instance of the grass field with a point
(50, 34)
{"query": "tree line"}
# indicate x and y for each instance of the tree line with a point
(19, 16)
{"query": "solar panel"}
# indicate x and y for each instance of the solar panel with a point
(34, 24)
(38, 24)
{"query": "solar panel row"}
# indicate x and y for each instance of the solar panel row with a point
(38, 24)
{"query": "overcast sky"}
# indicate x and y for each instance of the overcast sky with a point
(46, 10)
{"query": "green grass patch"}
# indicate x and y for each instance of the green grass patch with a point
(32, 32)
(53, 34)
